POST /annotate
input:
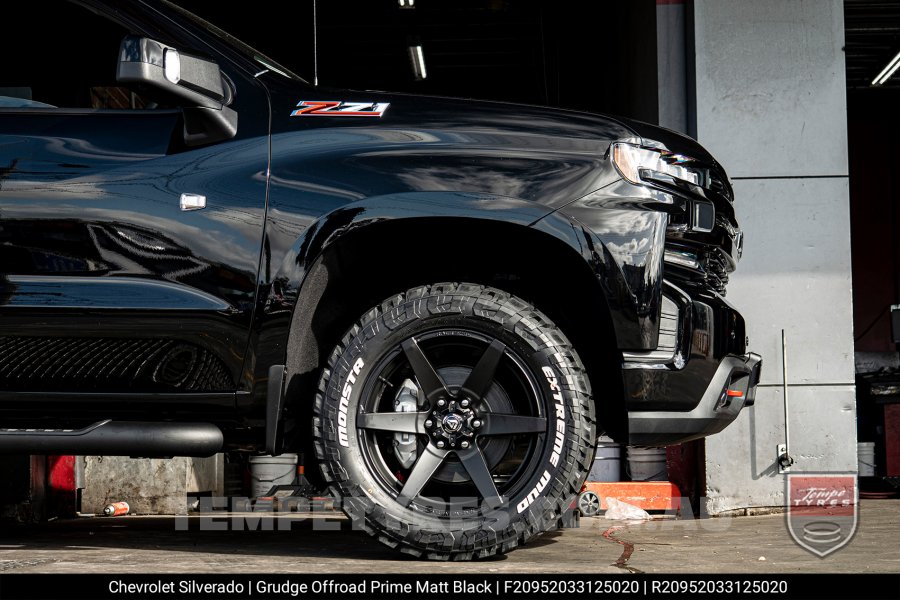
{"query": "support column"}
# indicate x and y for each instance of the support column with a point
(771, 106)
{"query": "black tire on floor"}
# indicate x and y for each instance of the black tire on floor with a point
(497, 434)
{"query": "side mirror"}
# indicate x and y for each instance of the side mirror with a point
(195, 81)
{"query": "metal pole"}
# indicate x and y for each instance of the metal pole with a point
(787, 431)
(315, 46)
(784, 455)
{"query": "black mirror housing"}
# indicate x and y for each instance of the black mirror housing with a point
(194, 81)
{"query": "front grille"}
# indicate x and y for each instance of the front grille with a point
(715, 268)
(708, 269)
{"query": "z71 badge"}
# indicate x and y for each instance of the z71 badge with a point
(339, 108)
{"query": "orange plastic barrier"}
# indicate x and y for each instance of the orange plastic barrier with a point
(649, 495)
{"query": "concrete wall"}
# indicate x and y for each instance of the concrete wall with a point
(150, 486)
(771, 106)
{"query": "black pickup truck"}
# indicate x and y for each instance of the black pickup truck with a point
(439, 302)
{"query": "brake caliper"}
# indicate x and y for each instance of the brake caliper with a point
(406, 400)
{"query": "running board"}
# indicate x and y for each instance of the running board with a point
(117, 438)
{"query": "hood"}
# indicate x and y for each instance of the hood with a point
(573, 129)
(386, 143)
(672, 140)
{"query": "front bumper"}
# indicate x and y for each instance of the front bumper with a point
(732, 388)
(699, 378)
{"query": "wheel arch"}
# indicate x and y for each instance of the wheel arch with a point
(370, 252)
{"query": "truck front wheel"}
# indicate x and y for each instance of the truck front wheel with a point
(454, 421)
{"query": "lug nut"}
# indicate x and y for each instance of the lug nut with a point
(464, 444)
(442, 402)
(464, 403)
(429, 423)
(440, 444)
(476, 423)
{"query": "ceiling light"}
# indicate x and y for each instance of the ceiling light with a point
(887, 71)
(418, 62)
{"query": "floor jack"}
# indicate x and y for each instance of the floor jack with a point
(301, 496)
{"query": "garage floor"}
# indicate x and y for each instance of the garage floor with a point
(759, 544)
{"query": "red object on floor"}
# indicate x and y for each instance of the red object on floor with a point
(685, 465)
(61, 494)
(892, 439)
(649, 495)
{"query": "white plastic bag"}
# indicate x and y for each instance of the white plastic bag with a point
(622, 511)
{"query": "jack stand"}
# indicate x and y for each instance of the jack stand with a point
(302, 496)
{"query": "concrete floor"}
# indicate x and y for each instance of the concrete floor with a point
(156, 544)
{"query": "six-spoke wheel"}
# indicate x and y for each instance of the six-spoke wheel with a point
(455, 421)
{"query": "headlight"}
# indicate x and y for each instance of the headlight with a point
(637, 164)
(640, 165)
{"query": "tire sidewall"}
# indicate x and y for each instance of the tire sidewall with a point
(555, 470)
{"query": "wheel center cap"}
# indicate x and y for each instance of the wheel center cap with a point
(452, 423)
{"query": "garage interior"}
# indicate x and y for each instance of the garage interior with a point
(780, 91)
(872, 40)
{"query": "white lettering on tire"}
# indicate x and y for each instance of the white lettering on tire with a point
(345, 402)
(533, 494)
(558, 442)
(560, 416)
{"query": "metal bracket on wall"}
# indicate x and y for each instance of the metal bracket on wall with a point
(783, 458)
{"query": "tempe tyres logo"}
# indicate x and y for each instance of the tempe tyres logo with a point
(822, 510)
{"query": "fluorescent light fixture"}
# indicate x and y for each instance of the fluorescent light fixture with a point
(418, 62)
(888, 71)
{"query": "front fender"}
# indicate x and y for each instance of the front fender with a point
(410, 205)
(293, 243)
(295, 282)
(630, 300)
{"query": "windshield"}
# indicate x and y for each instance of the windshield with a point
(258, 57)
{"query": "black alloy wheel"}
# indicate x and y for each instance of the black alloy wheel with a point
(454, 421)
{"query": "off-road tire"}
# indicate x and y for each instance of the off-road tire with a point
(546, 484)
